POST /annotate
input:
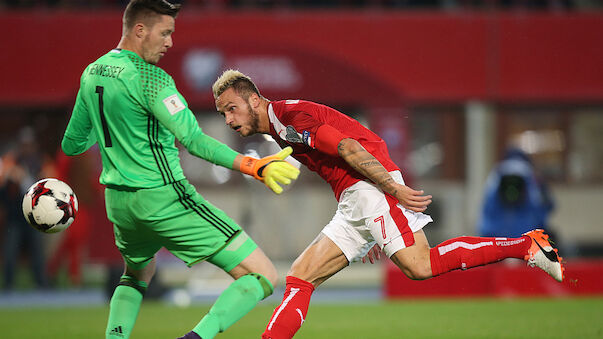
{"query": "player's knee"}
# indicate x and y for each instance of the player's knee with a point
(143, 274)
(266, 284)
(267, 271)
(418, 273)
(416, 266)
(271, 275)
(417, 270)
(130, 281)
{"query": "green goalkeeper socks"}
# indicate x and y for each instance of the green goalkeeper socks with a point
(124, 308)
(236, 301)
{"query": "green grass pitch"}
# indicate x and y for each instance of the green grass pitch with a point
(441, 318)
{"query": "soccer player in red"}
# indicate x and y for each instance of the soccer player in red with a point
(374, 205)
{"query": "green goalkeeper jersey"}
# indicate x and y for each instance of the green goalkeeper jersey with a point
(134, 111)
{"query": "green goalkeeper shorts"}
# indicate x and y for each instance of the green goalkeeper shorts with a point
(178, 218)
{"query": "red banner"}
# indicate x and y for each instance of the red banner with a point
(325, 56)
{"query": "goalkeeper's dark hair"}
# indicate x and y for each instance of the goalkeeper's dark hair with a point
(147, 11)
(241, 83)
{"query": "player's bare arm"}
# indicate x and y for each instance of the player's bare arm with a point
(366, 164)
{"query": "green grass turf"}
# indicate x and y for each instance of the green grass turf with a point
(442, 318)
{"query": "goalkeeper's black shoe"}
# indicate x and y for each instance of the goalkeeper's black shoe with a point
(190, 335)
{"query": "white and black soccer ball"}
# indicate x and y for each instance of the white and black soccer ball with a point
(50, 205)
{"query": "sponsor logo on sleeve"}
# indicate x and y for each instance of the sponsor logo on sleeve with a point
(173, 104)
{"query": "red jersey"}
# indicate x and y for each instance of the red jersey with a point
(296, 123)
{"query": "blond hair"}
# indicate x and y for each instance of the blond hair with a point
(236, 80)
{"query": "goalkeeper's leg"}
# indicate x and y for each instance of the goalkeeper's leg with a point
(126, 300)
(255, 279)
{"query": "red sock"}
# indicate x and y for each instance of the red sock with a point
(291, 313)
(467, 252)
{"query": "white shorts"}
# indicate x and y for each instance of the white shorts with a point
(365, 216)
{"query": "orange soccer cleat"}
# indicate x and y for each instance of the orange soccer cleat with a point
(543, 255)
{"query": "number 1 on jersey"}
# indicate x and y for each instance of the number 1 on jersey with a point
(100, 90)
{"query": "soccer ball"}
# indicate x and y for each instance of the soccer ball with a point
(49, 205)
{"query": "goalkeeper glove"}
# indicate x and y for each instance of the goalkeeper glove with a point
(271, 170)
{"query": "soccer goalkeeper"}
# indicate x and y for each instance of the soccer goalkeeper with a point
(134, 111)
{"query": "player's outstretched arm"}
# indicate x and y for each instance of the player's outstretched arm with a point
(271, 170)
(366, 164)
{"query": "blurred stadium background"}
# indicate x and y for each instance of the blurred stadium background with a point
(449, 84)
